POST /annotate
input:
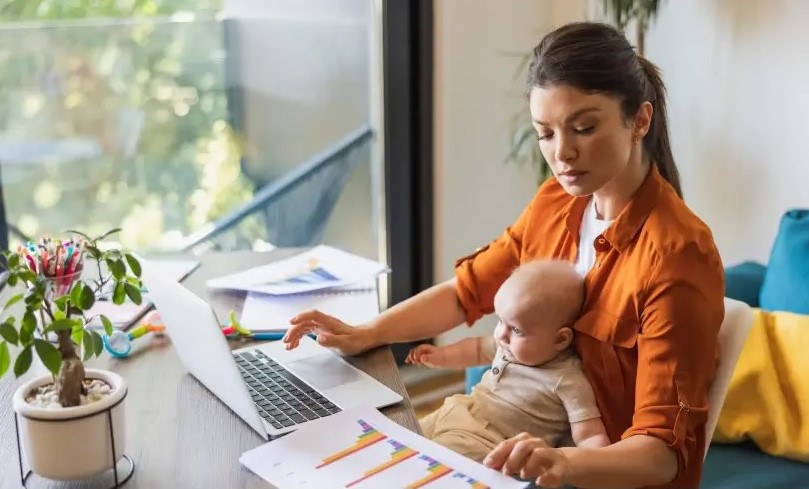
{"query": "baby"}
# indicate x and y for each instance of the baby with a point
(536, 383)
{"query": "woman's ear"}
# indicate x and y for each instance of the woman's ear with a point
(564, 337)
(643, 121)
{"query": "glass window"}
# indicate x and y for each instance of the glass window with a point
(192, 130)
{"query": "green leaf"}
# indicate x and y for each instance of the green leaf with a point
(71, 231)
(17, 298)
(14, 260)
(98, 344)
(87, 345)
(134, 264)
(49, 355)
(9, 332)
(28, 326)
(133, 293)
(107, 324)
(28, 275)
(23, 362)
(86, 298)
(77, 335)
(5, 358)
(61, 325)
(111, 231)
(12, 280)
(117, 268)
(119, 294)
(75, 293)
(61, 303)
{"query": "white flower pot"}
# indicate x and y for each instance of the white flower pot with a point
(72, 443)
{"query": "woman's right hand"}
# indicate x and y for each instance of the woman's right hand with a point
(330, 331)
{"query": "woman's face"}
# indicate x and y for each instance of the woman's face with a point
(584, 137)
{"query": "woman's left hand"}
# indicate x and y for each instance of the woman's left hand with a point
(530, 457)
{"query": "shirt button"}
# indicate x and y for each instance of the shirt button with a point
(496, 370)
(601, 240)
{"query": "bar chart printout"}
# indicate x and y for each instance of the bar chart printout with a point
(362, 449)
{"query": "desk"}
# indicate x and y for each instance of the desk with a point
(179, 435)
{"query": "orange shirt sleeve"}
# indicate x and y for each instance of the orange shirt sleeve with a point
(479, 275)
(677, 347)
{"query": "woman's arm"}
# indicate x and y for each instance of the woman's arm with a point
(634, 462)
(434, 311)
(637, 461)
(428, 314)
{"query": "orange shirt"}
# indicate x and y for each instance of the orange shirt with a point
(655, 300)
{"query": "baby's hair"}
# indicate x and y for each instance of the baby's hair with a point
(552, 288)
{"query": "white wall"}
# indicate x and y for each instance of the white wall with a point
(476, 194)
(738, 80)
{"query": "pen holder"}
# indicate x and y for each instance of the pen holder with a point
(59, 286)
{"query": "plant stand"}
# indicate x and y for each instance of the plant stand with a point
(24, 476)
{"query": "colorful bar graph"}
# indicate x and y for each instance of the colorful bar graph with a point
(472, 482)
(400, 454)
(436, 470)
(368, 437)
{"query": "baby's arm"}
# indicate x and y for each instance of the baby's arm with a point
(577, 395)
(469, 352)
(590, 433)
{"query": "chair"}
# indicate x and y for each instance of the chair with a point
(293, 210)
(732, 334)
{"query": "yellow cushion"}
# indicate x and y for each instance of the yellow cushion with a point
(768, 397)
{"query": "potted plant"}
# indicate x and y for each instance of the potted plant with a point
(65, 418)
(523, 145)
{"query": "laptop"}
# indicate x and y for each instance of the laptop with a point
(273, 390)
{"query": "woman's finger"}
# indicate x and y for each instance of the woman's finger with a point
(497, 457)
(519, 456)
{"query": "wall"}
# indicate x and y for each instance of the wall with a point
(476, 93)
(738, 102)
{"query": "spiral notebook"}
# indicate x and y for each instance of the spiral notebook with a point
(352, 304)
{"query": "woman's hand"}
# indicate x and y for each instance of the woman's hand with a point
(330, 331)
(529, 457)
(427, 355)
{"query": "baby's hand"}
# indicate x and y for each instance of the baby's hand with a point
(427, 355)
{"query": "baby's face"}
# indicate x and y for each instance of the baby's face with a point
(524, 339)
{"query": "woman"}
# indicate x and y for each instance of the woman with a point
(648, 333)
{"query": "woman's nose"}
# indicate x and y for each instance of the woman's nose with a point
(565, 149)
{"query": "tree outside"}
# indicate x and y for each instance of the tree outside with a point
(114, 113)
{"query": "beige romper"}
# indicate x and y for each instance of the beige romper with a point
(512, 398)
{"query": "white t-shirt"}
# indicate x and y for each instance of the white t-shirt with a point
(591, 228)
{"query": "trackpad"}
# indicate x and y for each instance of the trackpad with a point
(324, 371)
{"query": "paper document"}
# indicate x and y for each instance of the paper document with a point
(272, 313)
(322, 267)
(366, 450)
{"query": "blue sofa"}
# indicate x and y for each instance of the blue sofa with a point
(781, 285)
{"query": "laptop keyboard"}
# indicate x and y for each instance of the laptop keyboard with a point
(283, 399)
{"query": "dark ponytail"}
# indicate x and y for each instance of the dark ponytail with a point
(596, 57)
(656, 143)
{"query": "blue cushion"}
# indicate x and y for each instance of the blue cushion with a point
(743, 282)
(742, 466)
(786, 283)
(473, 376)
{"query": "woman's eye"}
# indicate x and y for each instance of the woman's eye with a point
(544, 137)
(515, 330)
(584, 130)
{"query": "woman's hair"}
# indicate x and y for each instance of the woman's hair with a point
(596, 57)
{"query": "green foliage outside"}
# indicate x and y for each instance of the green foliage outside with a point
(138, 97)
